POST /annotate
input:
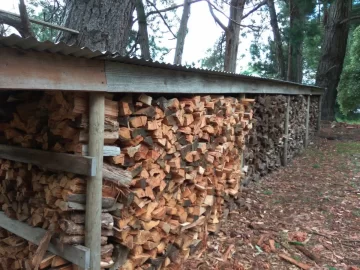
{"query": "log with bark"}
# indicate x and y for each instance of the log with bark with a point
(178, 169)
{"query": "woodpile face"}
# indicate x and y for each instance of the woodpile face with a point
(313, 116)
(264, 146)
(179, 164)
(297, 128)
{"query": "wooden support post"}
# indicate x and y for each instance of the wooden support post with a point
(306, 143)
(94, 185)
(318, 127)
(242, 153)
(286, 141)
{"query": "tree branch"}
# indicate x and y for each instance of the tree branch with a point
(350, 19)
(12, 21)
(254, 9)
(162, 17)
(170, 8)
(215, 17)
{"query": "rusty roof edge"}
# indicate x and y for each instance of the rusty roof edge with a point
(31, 43)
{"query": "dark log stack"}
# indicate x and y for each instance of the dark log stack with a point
(297, 128)
(264, 147)
(314, 116)
(182, 156)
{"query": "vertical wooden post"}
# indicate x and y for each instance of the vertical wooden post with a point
(286, 141)
(318, 127)
(242, 153)
(307, 121)
(94, 185)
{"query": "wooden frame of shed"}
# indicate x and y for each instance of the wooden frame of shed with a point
(27, 64)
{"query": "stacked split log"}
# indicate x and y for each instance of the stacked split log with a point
(182, 157)
(313, 116)
(297, 128)
(264, 146)
(54, 202)
(16, 253)
(58, 122)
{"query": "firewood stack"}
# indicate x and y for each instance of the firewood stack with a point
(54, 202)
(314, 115)
(297, 128)
(182, 156)
(264, 146)
(16, 253)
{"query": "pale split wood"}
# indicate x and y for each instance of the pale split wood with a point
(41, 250)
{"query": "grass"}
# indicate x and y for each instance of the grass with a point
(348, 148)
(316, 166)
(267, 192)
(356, 212)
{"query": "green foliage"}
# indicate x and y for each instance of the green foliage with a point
(349, 87)
(52, 11)
(215, 56)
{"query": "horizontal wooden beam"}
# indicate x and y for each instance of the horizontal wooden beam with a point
(78, 255)
(123, 77)
(50, 160)
(29, 70)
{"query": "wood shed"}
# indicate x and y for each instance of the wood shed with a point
(120, 163)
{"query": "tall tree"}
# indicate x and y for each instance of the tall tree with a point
(333, 54)
(232, 30)
(143, 36)
(181, 35)
(103, 24)
(280, 59)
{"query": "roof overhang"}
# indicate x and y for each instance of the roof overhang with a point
(32, 65)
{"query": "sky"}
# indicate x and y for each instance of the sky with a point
(202, 34)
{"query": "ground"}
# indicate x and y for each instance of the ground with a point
(313, 205)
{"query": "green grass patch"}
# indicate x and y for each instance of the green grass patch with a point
(348, 148)
(267, 192)
(316, 166)
(356, 213)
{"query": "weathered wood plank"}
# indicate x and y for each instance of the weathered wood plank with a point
(78, 255)
(108, 151)
(50, 160)
(306, 142)
(123, 77)
(94, 185)
(45, 71)
(319, 116)
(286, 139)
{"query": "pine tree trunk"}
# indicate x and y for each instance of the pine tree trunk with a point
(232, 35)
(103, 24)
(280, 59)
(333, 55)
(180, 42)
(143, 36)
(295, 59)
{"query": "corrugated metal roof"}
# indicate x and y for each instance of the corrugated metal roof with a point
(15, 41)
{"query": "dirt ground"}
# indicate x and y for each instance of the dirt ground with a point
(308, 212)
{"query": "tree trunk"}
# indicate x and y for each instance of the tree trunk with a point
(143, 36)
(26, 27)
(103, 24)
(333, 54)
(180, 42)
(277, 39)
(295, 59)
(232, 35)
